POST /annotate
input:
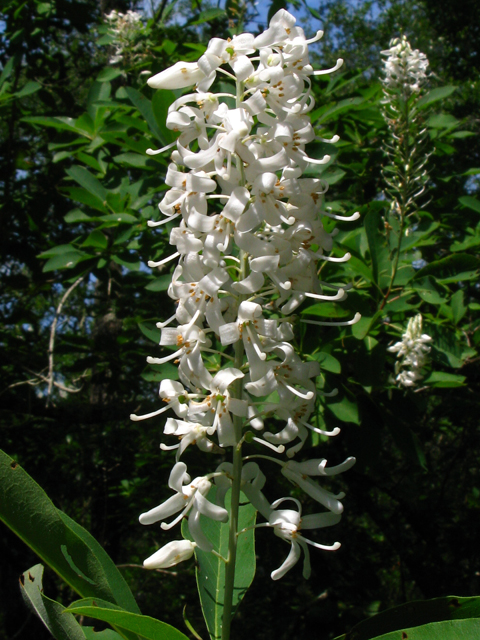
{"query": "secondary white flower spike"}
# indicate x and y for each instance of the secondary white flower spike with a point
(411, 353)
(249, 237)
(405, 68)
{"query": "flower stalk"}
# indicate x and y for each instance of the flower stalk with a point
(406, 176)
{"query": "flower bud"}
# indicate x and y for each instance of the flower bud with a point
(179, 76)
(170, 555)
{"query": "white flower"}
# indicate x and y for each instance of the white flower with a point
(287, 524)
(405, 68)
(190, 499)
(170, 555)
(411, 353)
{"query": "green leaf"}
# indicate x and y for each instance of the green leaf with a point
(379, 253)
(148, 628)
(417, 615)
(435, 95)
(442, 379)
(62, 626)
(150, 331)
(123, 218)
(211, 570)
(362, 328)
(453, 268)
(210, 14)
(53, 536)
(108, 74)
(470, 202)
(135, 160)
(159, 372)
(82, 195)
(28, 89)
(145, 107)
(327, 362)
(161, 100)
(86, 180)
(106, 634)
(428, 290)
(96, 239)
(65, 261)
(458, 307)
(159, 284)
(344, 410)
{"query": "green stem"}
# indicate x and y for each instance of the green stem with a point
(237, 451)
(403, 195)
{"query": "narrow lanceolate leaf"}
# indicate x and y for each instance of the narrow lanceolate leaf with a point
(211, 569)
(146, 627)
(59, 541)
(62, 626)
(419, 615)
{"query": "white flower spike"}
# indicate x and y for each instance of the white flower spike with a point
(249, 235)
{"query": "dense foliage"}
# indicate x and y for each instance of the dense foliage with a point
(79, 304)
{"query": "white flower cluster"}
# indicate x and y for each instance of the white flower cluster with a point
(405, 68)
(249, 237)
(411, 353)
(125, 27)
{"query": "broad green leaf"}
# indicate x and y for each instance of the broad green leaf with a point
(159, 284)
(148, 628)
(416, 615)
(62, 626)
(344, 410)
(96, 239)
(28, 89)
(137, 160)
(77, 215)
(59, 541)
(470, 202)
(211, 570)
(106, 634)
(447, 348)
(327, 362)
(358, 268)
(453, 268)
(448, 630)
(65, 261)
(429, 290)
(110, 73)
(379, 253)
(55, 122)
(458, 307)
(161, 100)
(145, 107)
(210, 14)
(124, 218)
(326, 310)
(159, 372)
(7, 70)
(435, 95)
(86, 180)
(125, 260)
(59, 250)
(362, 328)
(150, 331)
(78, 194)
(442, 379)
